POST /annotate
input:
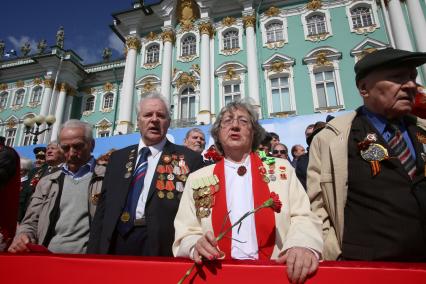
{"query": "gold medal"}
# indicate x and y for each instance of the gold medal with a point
(129, 165)
(170, 195)
(195, 195)
(125, 217)
(127, 175)
(161, 194)
(95, 198)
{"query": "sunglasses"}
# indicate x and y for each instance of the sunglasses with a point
(282, 152)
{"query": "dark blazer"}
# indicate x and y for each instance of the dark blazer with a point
(159, 213)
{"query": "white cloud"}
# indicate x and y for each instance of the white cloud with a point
(115, 43)
(88, 55)
(18, 42)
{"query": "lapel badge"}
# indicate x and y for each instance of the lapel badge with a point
(95, 198)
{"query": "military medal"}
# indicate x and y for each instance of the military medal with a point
(282, 170)
(373, 152)
(241, 170)
(125, 217)
(161, 194)
(170, 195)
(203, 193)
(95, 198)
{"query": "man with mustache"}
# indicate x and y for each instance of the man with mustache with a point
(142, 189)
(366, 173)
(64, 202)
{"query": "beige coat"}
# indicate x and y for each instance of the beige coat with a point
(327, 180)
(36, 220)
(296, 225)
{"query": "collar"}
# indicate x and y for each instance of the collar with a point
(234, 165)
(155, 149)
(82, 171)
(378, 121)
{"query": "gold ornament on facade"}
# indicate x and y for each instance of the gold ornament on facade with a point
(321, 59)
(314, 5)
(151, 36)
(3, 87)
(365, 30)
(318, 37)
(187, 12)
(276, 44)
(278, 66)
(168, 35)
(11, 123)
(365, 52)
(196, 68)
(148, 86)
(272, 12)
(249, 21)
(48, 83)
(63, 87)
(186, 79)
(108, 87)
(88, 90)
(206, 28)
(37, 81)
(20, 84)
(230, 74)
(103, 126)
(228, 21)
(133, 42)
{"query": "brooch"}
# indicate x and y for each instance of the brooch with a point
(203, 193)
(372, 152)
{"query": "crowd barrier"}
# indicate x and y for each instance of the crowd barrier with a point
(46, 269)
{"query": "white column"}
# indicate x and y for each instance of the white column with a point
(204, 114)
(387, 22)
(59, 112)
(418, 23)
(252, 65)
(399, 26)
(166, 72)
(47, 96)
(126, 97)
(68, 106)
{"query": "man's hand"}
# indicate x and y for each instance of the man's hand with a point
(206, 247)
(19, 244)
(301, 262)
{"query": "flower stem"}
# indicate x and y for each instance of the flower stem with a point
(188, 272)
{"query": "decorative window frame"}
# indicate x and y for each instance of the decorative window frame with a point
(35, 104)
(230, 73)
(83, 105)
(318, 37)
(276, 66)
(146, 43)
(103, 126)
(12, 122)
(179, 38)
(179, 85)
(373, 7)
(148, 83)
(222, 28)
(367, 45)
(269, 19)
(114, 99)
(7, 99)
(325, 59)
(15, 94)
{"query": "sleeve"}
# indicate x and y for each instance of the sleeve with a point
(187, 225)
(305, 226)
(8, 161)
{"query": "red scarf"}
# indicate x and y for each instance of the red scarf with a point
(264, 219)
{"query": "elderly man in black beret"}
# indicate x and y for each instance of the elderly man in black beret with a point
(366, 173)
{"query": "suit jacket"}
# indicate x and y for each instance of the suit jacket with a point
(296, 225)
(159, 213)
(328, 176)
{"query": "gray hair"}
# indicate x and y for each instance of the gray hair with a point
(75, 123)
(195, 129)
(26, 164)
(258, 131)
(154, 95)
(54, 142)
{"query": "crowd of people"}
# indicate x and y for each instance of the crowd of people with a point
(346, 197)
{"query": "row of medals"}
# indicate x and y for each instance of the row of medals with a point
(271, 176)
(204, 190)
(171, 169)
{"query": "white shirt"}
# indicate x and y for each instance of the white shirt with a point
(240, 200)
(156, 151)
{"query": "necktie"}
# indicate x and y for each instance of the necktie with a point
(127, 218)
(400, 149)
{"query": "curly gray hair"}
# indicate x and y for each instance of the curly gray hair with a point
(258, 131)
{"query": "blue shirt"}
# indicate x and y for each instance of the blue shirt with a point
(82, 171)
(380, 123)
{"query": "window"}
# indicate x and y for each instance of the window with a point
(27, 137)
(108, 101)
(230, 40)
(90, 104)
(325, 84)
(231, 93)
(10, 136)
(36, 95)
(3, 100)
(187, 104)
(189, 45)
(19, 97)
(280, 94)
(103, 134)
(361, 17)
(316, 25)
(153, 54)
(274, 32)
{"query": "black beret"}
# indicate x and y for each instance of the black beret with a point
(388, 57)
(39, 151)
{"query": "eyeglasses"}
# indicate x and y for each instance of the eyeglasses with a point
(228, 121)
(282, 152)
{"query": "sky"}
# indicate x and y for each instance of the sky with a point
(86, 25)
